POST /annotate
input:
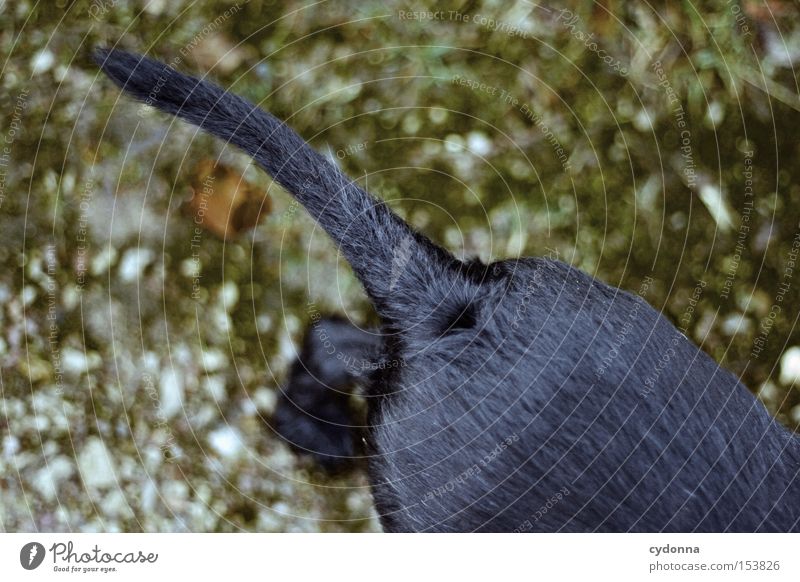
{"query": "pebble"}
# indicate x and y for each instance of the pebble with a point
(226, 441)
(95, 464)
(42, 61)
(454, 143)
(115, 505)
(736, 323)
(10, 446)
(265, 400)
(134, 262)
(478, 143)
(790, 366)
(215, 385)
(48, 479)
(214, 360)
(171, 392)
(230, 295)
(76, 362)
(103, 260)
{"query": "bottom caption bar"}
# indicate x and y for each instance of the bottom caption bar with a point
(334, 557)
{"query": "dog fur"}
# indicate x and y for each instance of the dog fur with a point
(497, 404)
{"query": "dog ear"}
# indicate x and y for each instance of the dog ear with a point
(314, 413)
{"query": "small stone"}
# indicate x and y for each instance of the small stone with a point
(171, 391)
(35, 369)
(437, 115)
(134, 262)
(29, 294)
(77, 362)
(103, 260)
(215, 385)
(714, 201)
(264, 323)
(42, 61)
(454, 143)
(155, 7)
(790, 366)
(48, 479)
(11, 446)
(42, 423)
(479, 143)
(643, 121)
(73, 361)
(768, 392)
(226, 441)
(736, 323)
(71, 297)
(214, 360)
(411, 124)
(95, 464)
(230, 295)
(147, 501)
(115, 505)
(265, 400)
(191, 267)
(175, 494)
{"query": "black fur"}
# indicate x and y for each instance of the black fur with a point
(314, 413)
(504, 409)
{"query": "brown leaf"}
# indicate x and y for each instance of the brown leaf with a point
(223, 202)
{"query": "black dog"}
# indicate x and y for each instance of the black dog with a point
(518, 396)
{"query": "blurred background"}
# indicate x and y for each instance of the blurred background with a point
(148, 314)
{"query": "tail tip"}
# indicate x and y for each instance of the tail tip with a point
(100, 55)
(115, 63)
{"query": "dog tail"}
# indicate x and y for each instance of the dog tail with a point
(391, 260)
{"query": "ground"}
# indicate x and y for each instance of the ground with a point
(141, 357)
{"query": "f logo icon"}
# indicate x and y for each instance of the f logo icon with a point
(31, 555)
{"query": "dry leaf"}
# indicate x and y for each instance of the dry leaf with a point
(223, 202)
